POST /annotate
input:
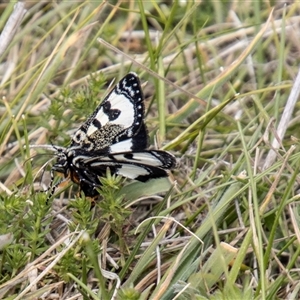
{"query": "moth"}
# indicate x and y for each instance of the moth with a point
(114, 137)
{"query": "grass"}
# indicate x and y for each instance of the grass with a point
(219, 79)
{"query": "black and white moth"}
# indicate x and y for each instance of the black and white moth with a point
(114, 137)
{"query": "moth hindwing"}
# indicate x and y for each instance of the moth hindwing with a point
(113, 137)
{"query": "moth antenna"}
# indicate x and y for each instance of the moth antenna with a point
(48, 147)
(35, 155)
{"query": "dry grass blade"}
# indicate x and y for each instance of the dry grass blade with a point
(11, 26)
(284, 122)
(22, 276)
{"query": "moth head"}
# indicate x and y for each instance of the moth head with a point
(61, 164)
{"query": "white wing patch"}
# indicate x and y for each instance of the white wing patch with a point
(125, 119)
(126, 107)
(132, 171)
(91, 129)
(145, 158)
(123, 146)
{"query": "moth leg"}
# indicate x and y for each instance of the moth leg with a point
(53, 187)
(89, 187)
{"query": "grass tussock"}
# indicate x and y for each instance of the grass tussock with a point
(221, 95)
